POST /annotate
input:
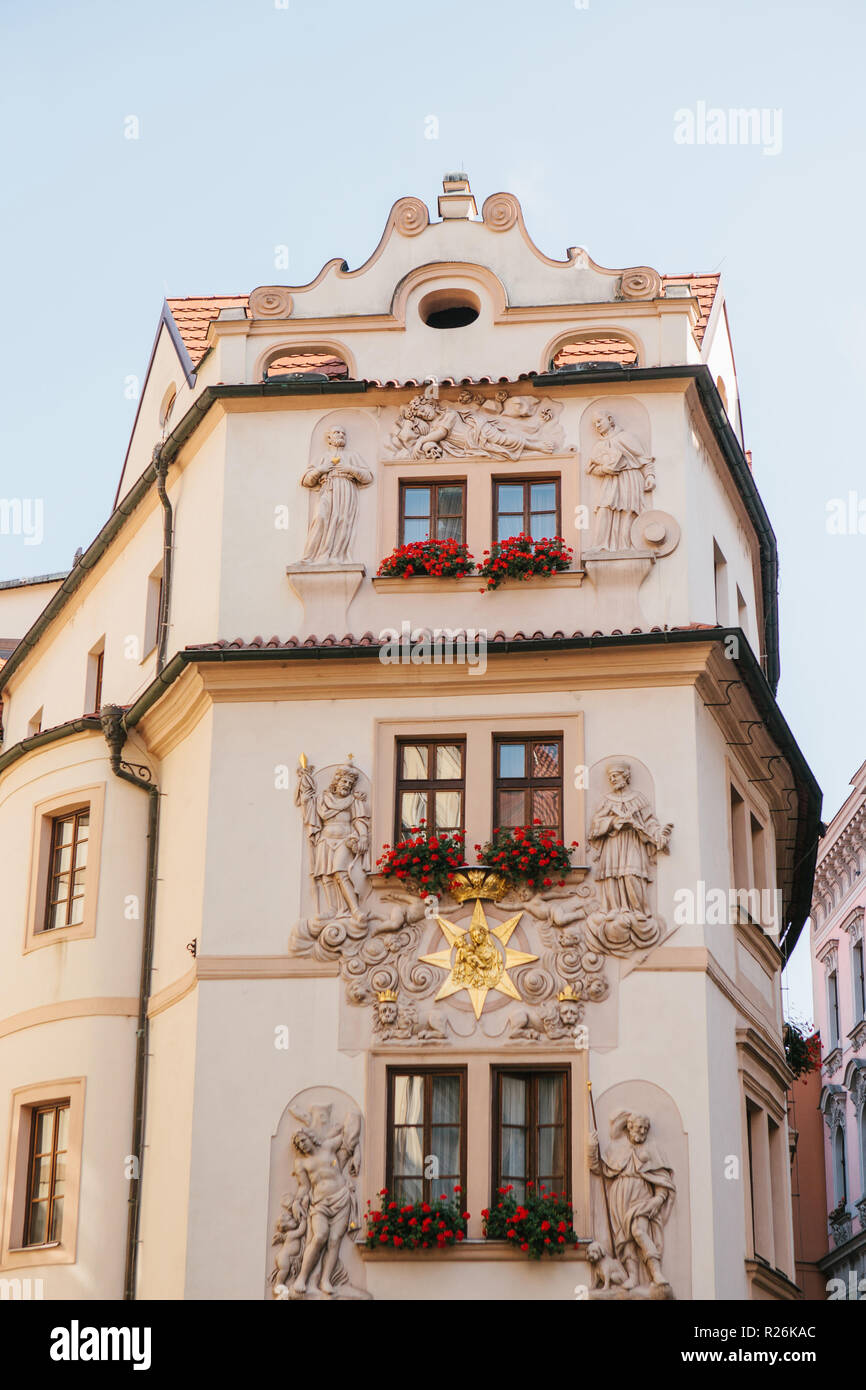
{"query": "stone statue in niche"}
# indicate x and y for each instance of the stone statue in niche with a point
(337, 823)
(335, 477)
(503, 426)
(624, 838)
(639, 1193)
(394, 1021)
(321, 1211)
(620, 462)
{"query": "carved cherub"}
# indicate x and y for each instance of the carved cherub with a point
(407, 911)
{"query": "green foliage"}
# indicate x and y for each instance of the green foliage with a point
(539, 1226)
(417, 1225)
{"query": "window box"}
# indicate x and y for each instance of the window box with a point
(520, 557)
(416, 1226)
(564, 579)
(437, 559)
(471, 1249)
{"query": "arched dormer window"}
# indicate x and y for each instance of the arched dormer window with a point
(588, 350)
(315, 360)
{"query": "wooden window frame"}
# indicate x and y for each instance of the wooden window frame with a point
(409, 1069)
(94, 677)
(53, 1107)
(26, 1100)
(50, 901)
(528, 783)
(45, 813)
(751, 805)
(478, 730)
(525, 481)
(97, 684)
(429, 784)
(498, 1072)
(434, 484)
(152, 612)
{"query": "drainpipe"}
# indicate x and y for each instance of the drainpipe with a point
(161, 465)
(111, 717)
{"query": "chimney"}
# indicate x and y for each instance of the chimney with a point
(456, 200)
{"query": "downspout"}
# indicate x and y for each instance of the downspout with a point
(113, 727)
(161, 464)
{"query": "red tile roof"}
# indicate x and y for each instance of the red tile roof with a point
(193, 316)
(703, 288)
(322, 362)
(608, 349)
(368, 639)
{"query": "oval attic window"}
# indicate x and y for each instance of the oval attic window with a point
(449, 308)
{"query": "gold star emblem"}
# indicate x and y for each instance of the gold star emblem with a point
(479, 964)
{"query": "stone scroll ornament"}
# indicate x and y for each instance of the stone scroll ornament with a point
(625, 838)
(322, 1209)
(336, 478)
(499, 426)
(639, 1192)
(624, 471)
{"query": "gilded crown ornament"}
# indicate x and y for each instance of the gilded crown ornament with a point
(468, 883)
(387, 996)
(568, 995)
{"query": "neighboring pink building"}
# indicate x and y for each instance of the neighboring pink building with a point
(839, 975)
(806, 1132)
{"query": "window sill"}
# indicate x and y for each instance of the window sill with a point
(24, 1257)
(572, 879)
(423, 583)
(472, 1251)
(52, 936)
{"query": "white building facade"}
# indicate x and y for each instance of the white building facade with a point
(217, 1012)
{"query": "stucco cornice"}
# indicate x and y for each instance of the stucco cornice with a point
(65, 1009)
(763, 1062)
(214, 968)
(700, 959)
(205, 677)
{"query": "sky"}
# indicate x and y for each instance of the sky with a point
(263, 124)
